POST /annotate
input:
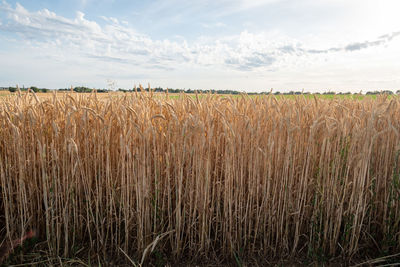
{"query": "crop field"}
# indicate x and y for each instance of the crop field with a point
(112, 94)
(147, 179)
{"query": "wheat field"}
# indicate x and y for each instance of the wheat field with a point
(205, 177)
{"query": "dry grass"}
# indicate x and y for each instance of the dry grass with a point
(210, 177)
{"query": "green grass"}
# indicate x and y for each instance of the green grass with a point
(308, 96)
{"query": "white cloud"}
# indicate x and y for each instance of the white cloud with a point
(118, 50)
(118, 43)
(112, 20)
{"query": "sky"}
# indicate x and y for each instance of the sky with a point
(245, 45)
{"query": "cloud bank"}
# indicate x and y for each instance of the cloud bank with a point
(118, 42)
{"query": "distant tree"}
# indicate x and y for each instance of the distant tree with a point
(35, 89)
(372, 93)
(44, 90)
(82, 89)
(12, 89)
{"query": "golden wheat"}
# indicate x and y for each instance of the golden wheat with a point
(206, 177)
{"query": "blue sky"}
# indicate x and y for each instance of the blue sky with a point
(253, 45)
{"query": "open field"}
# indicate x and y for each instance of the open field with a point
(153, 179)
(177, 96)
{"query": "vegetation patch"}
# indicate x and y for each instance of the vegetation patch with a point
(144, 178)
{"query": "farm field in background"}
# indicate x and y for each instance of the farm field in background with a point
(155, 179)
(49, 94)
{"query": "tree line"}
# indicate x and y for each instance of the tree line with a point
(83, 89)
